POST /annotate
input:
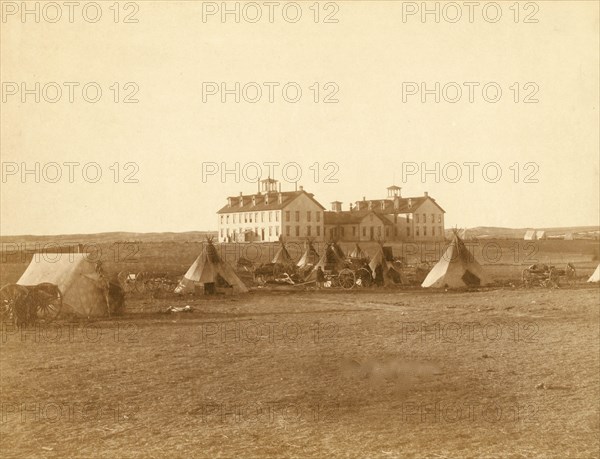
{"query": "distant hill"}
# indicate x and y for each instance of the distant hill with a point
(579, 232)
(111, 237)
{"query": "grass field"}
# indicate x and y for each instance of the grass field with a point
(495, 372)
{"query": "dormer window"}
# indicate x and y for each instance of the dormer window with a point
(382, 205)
(229, 202)
(253, 200)
(267, 199)
(241, 201)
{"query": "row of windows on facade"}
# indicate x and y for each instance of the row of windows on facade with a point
(250, 217)
(273, 230)
(432, 219)
(387, 231)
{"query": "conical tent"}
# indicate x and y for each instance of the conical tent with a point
(359, 254)
(282, 256)
(330, 261)
(379, 259)
(456, 268)
(310, 256)
(337, 249)
(82, 289)
(209, 269)
(596, 276)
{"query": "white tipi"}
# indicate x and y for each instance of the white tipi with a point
(456, 268)
(596, 276)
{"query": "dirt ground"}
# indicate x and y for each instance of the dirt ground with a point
(499, 372)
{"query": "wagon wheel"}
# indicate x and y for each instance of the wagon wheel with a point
(48, 299)
(346, 278)
(140, 282)
(364, 277)
(125, 281)
(11, 297)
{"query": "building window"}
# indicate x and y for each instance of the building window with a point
(245, 218)
(287, 230)
(407, 218)
(417, 234)
(433, 230)
(233, 218)
(318, 230)
(297, 215)
(222, 232)
(308, 231)
(287, 215)
(318, 216)
(407, 232)
(432, 218)
(440, 229)
(424, 218)
(270, 230)
(342, 231)
(227, 219)
(416, 218)
(364, 231)
(270, 216)
(354, 231)
(439, 218)
(277, 231)
(250, 218)
(308, 215)
(424, 231)
(277, 216)
(221, 219)
(379, 231)
(387, 231)
(297, 231)
(262, 217)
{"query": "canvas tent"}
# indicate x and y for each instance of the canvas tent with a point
(568, 236)
(540, 235)
(359, 254)
(456, 268)
(530, 235)
(383, 259)
(282, 256)
(330, 261)
(310, 256)
(596, 276)
(82, 287)
(338, 250)
(210, 269)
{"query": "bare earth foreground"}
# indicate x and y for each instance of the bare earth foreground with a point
(491, 373)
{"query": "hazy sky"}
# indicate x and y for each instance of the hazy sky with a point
(370, 57)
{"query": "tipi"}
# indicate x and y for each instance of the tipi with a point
(330, 261)
(83, 289)
(456, 268)
(358, 253)
(209, 269)
(389, 271)
(310, 256)
(282, 256)
(596, 276)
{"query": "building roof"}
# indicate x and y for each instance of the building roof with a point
(287, 198)
(405, 205)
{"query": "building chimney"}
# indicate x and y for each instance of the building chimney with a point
(336, 206)
(301, 188)
(279, 186)
(351, 207)
(241, 199)
(426, 194)
(409, 202)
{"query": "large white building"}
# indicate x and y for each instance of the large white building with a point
(394, 218)
(297, 215)
(269, 214)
